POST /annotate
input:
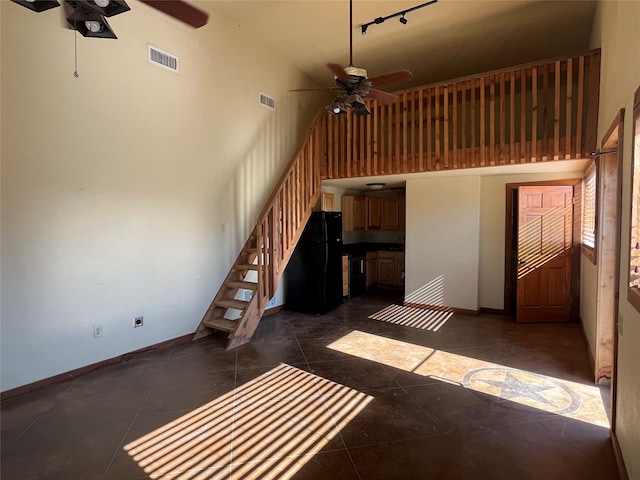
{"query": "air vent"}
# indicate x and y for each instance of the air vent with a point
(163, 59)
(267, 101)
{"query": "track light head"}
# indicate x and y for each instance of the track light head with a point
(403, 20)
(364, 29)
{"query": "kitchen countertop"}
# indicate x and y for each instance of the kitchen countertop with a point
(364, 247)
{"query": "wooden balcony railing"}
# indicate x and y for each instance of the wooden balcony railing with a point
(537, 112)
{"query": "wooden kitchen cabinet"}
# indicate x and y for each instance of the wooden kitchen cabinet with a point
(390, 213)
(345, 275)
(354, 213)
(390, 269)
(372, 269)
(374, 213)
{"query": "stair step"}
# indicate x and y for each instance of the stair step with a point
(244, 285)
(222, 324)
(247, 266)
(231, 303)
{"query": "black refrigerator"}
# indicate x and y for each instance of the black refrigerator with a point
(314, 273)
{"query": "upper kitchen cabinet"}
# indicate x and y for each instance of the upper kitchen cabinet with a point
(374, 213)
(354, 213)
(391, 213)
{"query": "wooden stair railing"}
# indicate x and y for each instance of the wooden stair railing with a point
(538, 112)
(265, 255)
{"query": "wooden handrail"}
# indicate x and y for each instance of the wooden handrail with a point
(286, 212)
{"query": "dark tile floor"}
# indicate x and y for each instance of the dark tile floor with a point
(341, 396)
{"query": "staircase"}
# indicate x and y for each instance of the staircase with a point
(538, 112)
(263, 258)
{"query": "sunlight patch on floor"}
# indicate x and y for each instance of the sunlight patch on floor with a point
(424, 319)
(272, 424)
(509, 386)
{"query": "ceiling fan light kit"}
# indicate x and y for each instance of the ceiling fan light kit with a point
(89, 23)
(355, 84)
(37, 5)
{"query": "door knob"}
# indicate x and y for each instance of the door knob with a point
(521, 262)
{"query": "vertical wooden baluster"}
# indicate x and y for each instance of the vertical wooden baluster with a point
(492, 121)
(413, 150)
(454, 126)
(534, 114)
(568, 145)
(369, 143)
(556, 112)
(438, 121)
(474, 115)
(592, 103)
(429, 132)
(522, 144)
(376, 119)
(580, 151)
(481, 119)
(398, 135)
(446, 143)
(363, 150)
(390, 143)
(405, 133)
(464, 151)
(503, 119)
(512, 118)
(545, 112)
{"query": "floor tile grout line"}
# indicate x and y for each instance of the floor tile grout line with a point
(135, 417)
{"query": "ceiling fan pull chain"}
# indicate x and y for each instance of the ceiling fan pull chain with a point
(75, 48)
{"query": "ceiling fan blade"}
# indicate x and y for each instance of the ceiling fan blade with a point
(314, 89)
(337, 70)
(180, 10)
(398, 76)
(382, 97)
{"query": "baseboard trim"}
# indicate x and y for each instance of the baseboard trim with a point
(14, 392)
(592, 361)
(494, 311)
(441, 308)
(275, 309)
(622, 469)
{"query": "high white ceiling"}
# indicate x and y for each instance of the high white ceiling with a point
(446, 40)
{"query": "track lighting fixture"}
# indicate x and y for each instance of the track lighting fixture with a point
(401, 14)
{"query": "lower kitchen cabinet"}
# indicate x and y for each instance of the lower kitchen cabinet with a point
(390, 269)
(372, 269)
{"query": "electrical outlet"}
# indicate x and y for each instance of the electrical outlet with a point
(97, 331)
(138, 322)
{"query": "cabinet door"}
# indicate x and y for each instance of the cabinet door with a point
(360, 213)
(386, 269)
(374, 213)
(402, 213)
(327, 202)
(372, 269)
(353, 213)
(391, 213)
(399, 264)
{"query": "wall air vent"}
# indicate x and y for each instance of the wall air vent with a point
(267, 101)
(163, 59)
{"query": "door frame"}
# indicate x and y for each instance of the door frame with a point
(608, 256)
(510, 251)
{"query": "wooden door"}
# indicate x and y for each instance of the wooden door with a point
(545, 236)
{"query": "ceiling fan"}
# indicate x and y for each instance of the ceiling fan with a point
(88, 16)
(354, 84)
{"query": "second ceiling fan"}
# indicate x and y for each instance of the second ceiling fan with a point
(355, 86)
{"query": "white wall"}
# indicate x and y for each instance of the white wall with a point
(616, 31)
(115, 185)
(442, 239)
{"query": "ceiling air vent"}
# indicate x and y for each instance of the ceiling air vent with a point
(267, 101)
(163, 59)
